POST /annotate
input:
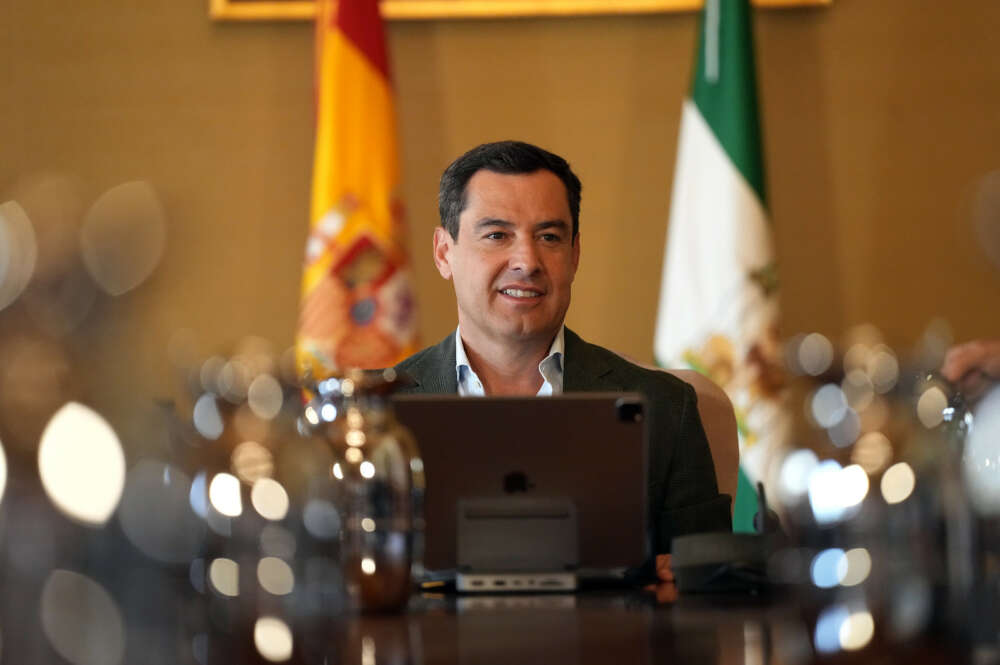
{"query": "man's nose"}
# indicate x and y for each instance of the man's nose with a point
(524, 257)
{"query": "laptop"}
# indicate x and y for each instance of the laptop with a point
(530, 493)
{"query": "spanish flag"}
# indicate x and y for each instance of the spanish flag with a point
(357, 306)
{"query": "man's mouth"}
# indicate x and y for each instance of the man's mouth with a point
(521, 293)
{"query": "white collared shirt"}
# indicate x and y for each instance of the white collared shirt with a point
(551, 369)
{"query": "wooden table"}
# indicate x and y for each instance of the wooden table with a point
(604, 628)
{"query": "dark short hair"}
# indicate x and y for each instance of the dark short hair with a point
(509, 157)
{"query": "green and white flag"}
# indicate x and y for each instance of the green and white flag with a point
(718, 306)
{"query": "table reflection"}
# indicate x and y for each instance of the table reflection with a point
(604, 627)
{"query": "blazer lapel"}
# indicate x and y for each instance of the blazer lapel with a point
(587, 368)
(434, 371)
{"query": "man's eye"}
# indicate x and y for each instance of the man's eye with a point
(551, 237)
(495, 235)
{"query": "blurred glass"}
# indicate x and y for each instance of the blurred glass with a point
(82, 464)
(883, 540)
(981, 464)
(123, 236)
(156, 516)
(3, 472)
(18, 252)
(273, 639)
(94, 637)
(54, 203)
(374, 491)
(36, 379)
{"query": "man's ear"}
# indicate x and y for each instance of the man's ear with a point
(576, 253)
(442, 251)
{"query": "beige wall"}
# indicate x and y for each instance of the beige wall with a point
(879, 116)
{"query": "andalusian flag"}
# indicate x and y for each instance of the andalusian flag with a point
(718, 308)
(357, 303)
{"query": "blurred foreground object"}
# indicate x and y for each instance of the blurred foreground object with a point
(18, 252)
(888, 545)
(974, 368)
(266, 573)
(217, 532)
(376, 486)
(357, 307)
(123, 237)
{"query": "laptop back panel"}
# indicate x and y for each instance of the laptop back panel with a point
(588, 447)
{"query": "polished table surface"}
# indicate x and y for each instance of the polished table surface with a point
(84, 596)
(604, 627)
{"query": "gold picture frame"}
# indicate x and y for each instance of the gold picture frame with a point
(301, 10)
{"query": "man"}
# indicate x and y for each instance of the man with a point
(509, 242)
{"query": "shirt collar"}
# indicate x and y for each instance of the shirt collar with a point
(551, 367)
(461, 359)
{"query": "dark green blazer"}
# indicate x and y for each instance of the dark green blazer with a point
(683, 494)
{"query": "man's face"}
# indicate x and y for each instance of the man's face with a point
(515, 257)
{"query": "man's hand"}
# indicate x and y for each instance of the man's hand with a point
(973, 366)
(663, 568)
(665, 589)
